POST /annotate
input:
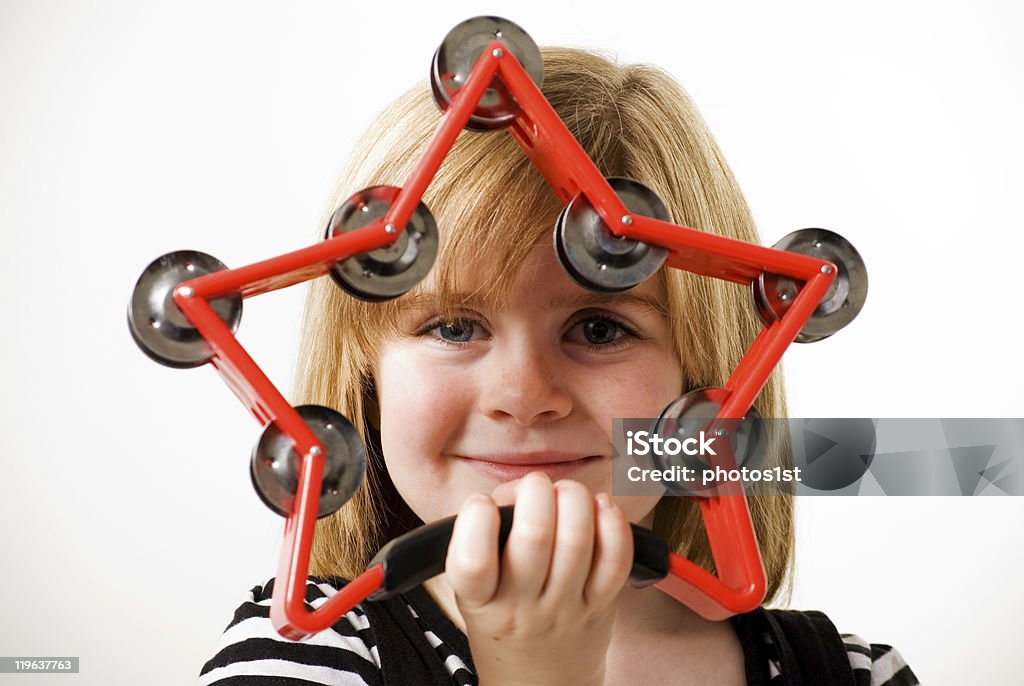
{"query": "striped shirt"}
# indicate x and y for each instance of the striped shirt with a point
(251, 653)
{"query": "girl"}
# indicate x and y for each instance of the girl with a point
(495, 381)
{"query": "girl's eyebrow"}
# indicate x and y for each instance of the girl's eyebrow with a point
(581, 300)
(563, 301)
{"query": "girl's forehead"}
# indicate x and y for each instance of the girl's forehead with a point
(527, 267)
(537, 281)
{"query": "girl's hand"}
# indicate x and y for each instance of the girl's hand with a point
(542, 613)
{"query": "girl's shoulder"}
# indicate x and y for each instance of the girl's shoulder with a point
(877, 663)
(806, 644)
(251, 652)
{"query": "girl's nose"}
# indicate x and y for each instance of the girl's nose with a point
(523, 384)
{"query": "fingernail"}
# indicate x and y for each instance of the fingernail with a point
(604, 501)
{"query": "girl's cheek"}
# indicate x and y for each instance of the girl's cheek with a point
(421, 400)
(422, 389)
(638, 509)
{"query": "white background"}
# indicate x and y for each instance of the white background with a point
(128, 528)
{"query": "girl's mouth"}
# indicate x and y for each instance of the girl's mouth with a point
(509, 471)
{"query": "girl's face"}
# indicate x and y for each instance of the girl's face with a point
(532, 386)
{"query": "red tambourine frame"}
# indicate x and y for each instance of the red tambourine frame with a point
(740, 584)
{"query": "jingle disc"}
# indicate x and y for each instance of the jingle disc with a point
(773, 294)
(460, 50)
(390, 271)
(274, 467)
(692, 413)
(596, 258)
(157, 325)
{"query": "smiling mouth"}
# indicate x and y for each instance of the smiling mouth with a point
(509, 471)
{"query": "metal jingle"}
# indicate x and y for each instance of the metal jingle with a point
(687, 416)
(597, 259)
(390, 271)
(773, 294)
(460, 50)
(157, 324)
(474, 123)
(274, 468)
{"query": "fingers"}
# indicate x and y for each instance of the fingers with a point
(527, 554)
(583, 550)
(613, 553)
(574, 540)
(505, 493)
(564, 544)
(533, 622)
(472, 560)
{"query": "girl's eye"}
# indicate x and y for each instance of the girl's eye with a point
(597, 333)
(602, 333)
(455, 333)
(459, 331)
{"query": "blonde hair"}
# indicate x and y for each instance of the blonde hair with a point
(489, 201)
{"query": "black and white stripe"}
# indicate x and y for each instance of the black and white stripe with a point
(461, 674)
(876, 664)
(251, 653)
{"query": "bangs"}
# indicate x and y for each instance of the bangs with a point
(488, 223)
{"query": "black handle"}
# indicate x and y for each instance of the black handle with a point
(411, 559)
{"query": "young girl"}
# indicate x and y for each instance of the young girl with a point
(495, 381)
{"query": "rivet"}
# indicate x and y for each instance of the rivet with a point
(315, 450)
(498, 52)
(390, 228)
(627, 220)
(825, 269)
(186, 291)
